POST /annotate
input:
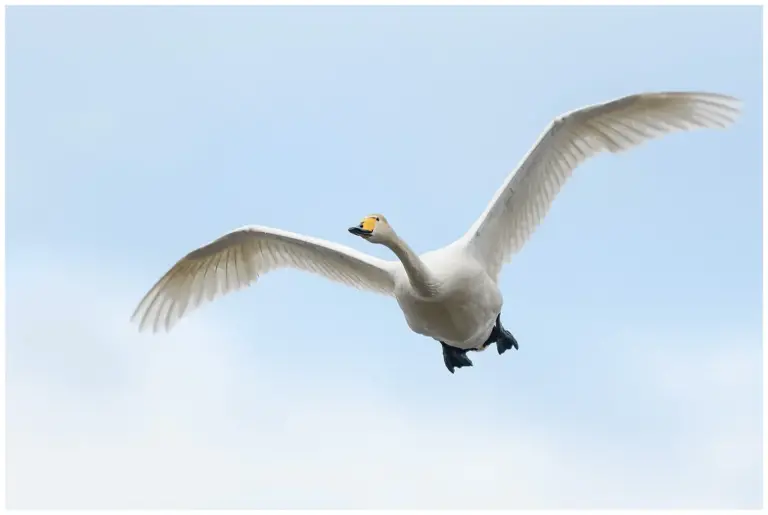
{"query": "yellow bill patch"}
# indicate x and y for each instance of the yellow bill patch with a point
(368, 223)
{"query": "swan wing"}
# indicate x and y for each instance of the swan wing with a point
(527, 194)
(238, 258)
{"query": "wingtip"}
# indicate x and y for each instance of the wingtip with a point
(722, 100)
(141, 322)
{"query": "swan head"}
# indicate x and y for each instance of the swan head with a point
(373, 228)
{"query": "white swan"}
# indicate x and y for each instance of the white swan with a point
(450, 294)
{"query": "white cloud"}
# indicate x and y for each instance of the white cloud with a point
(99, 416)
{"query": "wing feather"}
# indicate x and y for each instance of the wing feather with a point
(526, 196)
(239, 258)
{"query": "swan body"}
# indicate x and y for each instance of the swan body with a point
(450, 294)
(464, 307)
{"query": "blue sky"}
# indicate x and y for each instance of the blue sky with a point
(137, 134)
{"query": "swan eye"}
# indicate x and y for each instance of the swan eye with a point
(377, 219)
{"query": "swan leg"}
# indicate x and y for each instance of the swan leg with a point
(455, 358)
(504, 339)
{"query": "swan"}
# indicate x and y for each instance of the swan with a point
(450, 294)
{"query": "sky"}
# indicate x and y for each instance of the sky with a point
(137, 134)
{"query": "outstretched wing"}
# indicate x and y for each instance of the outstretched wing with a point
(238, 258)
(527, 194)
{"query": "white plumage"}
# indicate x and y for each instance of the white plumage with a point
(238, 258)
(449, 294)
(526, 196)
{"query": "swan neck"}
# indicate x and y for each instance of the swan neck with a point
(419, 276)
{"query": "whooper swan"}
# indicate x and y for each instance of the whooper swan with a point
(450, 294)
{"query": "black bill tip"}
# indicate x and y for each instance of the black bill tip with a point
(357, 231)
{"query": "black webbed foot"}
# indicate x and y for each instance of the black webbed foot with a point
(505, 341)
(503, 338)
(455, 358)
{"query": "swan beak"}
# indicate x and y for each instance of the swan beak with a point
(359, 231)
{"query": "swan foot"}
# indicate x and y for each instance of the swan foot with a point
(503, 338)
(455, 358)
(505, 342)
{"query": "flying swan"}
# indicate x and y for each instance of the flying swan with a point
(450, 294)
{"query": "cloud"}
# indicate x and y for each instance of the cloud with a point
(101, 417)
